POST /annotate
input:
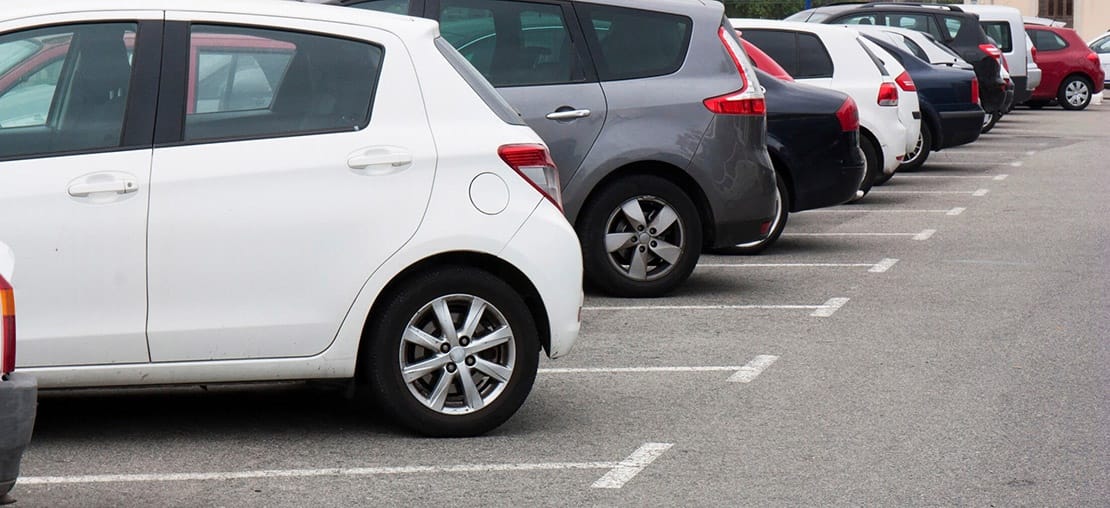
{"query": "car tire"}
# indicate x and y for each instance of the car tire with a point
(873, 163)
(778, 224)
(921, 151)
(1075, 93)
(990, 120)
(407, 332)
(649, 262)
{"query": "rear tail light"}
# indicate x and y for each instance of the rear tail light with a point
(1033, 53)
(975, 91)
(905, 82)
(991, 50)
(534, 164)
(7, 327)
(1093, 58)
(888, 95)
(848, 114)
(745, 101)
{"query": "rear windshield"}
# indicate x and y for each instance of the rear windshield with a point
(1000, 32)
(494, 100)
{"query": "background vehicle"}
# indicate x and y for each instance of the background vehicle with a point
(649, 140)
(1071, 72)
(1101, 47)
(837, 58)
(1005, 26)
(345, 230)
(950, 24)
(18, 392)
(813, 138)
(950, 112)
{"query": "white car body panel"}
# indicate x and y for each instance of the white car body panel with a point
(1018, 57)
(1104, 57)
(7, 261)
(856, 75)
(909, 106)
(427, 105)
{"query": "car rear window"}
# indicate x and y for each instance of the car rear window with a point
(633, 43)
(1000, 32)
(952, 25)
(1045, 40)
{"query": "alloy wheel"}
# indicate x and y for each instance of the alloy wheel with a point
(644, 238)
(457, 354)
(913, 155)
(1077, 93)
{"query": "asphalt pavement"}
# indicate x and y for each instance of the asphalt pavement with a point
(944, 342)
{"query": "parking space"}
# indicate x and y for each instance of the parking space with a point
(937, 343)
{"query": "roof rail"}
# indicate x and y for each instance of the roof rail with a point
(949, 7)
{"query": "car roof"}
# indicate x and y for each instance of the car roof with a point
(401, 25)
(798, 26)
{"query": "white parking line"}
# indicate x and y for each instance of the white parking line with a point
(1016, 164)
(871, 266)
(831, 306)
(700, 307)
(636, 370)
(752, 370)
(976, 193)
(950, 211)
(923, 235)
(934, 175)
(630, 467)
(883, 266)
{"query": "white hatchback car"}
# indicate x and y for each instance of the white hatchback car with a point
(213, 191)
(840, 59)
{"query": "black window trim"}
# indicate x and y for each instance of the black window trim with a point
(173, 94)
(137, 131)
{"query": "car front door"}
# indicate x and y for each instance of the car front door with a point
(76, 120)
(535, 55)
(288, 166)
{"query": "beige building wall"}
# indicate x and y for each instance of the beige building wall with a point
(1092, 17)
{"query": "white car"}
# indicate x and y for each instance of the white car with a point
(840, 59)
(319, 193)
(1101, 46)
(1005, 26)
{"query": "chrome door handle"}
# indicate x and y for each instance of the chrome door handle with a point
(568, 115)
(121, 186)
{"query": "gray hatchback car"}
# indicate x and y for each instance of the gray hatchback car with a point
(653, 115)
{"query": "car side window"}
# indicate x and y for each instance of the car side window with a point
(64, 89)
(632, 43)
(952, 26)
(813, 59)
(1103, 47)
(862, 19)
(1000, 32)
(250, 82)
(393, 6)
(512, 43)
(781, 46)
(915, 22)
(1045, 40)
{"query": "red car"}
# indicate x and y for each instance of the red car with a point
(1070, 71)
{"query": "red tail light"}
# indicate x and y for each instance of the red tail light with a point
(991, 50)
(888, 95)
(848, 114)
(975, 91)
(1093, 58)
(746, 100)
(905, 82)
(1033, 53)
(534, 164)
(7, 327)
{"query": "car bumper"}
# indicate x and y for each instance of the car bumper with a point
(18, 398)
(544, 241)
(960, 127)
(1022, 92)
(830, 177)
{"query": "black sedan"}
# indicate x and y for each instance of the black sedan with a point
(949, 98)
(813, 139)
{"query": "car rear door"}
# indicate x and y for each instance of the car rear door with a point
(288, 166)
(534, 53)
(76, 121)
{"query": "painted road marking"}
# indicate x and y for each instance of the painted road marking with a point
(923, 235)
(636, 370)
(980, 192)
(934, 175)
(977, 193)
(831, 306)
(950, 211)
(872, 266)
(700, 307)
(752, 370)
(628, 468)
(1016, 164)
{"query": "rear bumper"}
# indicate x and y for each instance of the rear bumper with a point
(960, 127)
(827, 177)
(1022, 92)
(18, 400)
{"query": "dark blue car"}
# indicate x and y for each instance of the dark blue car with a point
(950, 110)
(813, 139)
